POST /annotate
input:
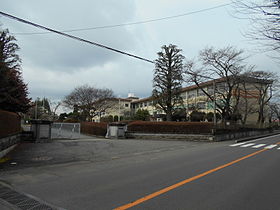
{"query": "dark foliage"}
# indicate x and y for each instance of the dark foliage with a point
(10, 123)
(197, 116)
(142, 114)
(171, 127)
(168, 79)
(13, 91)
(97, 129)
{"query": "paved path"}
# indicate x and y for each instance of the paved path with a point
(174, 175)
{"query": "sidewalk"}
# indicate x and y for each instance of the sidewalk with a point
(11, 199)
(6, 206)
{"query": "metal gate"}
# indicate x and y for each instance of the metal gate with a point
(66, 130)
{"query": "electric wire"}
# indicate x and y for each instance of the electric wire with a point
(132, 23)
(73, 37)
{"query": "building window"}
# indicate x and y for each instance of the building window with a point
(222, 87)
(183, 95)
(126, 105)
(210, 90)
(201, 105)
(200, 93)
(192, 94)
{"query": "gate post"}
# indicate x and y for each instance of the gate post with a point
(41, 130)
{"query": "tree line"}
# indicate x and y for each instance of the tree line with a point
(213, 64)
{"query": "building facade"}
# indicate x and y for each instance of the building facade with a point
(205, 98)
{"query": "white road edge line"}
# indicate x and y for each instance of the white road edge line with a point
(271, 146)
(248, 145)
(238, 144)
(258, 145)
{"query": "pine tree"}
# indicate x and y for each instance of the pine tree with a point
(13, 91)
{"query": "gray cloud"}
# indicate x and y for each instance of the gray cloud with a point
(54, 65)
(65, 54)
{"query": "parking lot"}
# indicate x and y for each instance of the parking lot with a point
(90, 149)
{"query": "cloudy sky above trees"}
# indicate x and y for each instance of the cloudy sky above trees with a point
(53, 65)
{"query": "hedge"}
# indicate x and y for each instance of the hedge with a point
(9, 123)
(171, 127)
(93, 128)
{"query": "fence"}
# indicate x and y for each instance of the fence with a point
(9, 123)
(9, 131)
(66, 130)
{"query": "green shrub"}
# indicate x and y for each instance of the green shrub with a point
(142, 114)
(116, 118)
(197, 116)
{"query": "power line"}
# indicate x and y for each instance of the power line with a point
(73, 37)
(132, 23)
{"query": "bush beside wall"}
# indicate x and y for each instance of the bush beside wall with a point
(9, 123)
(171, 127)
(93, 128)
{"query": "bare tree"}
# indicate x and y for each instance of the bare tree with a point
(265, 83)
(224, 66)
(245, 99)
(264, 24)
(89, 101)
(54, 105)
(168, 79)
(275, 111)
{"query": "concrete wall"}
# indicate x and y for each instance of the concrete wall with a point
(8, 143)
(243, 134)
(198, 137)
(182, 137)
(10, 129)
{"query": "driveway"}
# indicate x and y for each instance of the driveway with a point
(90, 150)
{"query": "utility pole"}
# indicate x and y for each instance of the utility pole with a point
(36, 110)
(214, 103)
(119, 118)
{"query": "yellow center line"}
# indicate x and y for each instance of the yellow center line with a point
(164, 190)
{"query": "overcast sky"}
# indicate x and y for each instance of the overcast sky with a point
(54, 65)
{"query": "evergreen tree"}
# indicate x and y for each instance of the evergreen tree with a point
(168, 79)
(13, 91)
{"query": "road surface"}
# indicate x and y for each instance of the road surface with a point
(196, 176)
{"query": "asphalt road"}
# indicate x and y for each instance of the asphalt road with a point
(220, 175)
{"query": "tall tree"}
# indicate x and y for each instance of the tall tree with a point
(168, 79)
(13, 91)
(264, 24)
(89, 101)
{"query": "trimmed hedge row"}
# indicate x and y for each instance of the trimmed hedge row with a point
(9, 123)
(171, 127)
(93, 128)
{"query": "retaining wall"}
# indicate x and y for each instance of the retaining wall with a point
(8, 143)
(182, 137)
(198, 137)
(10, 129)
(239, 135)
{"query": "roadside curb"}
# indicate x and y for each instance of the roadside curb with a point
(257, 137)
(11, 198)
